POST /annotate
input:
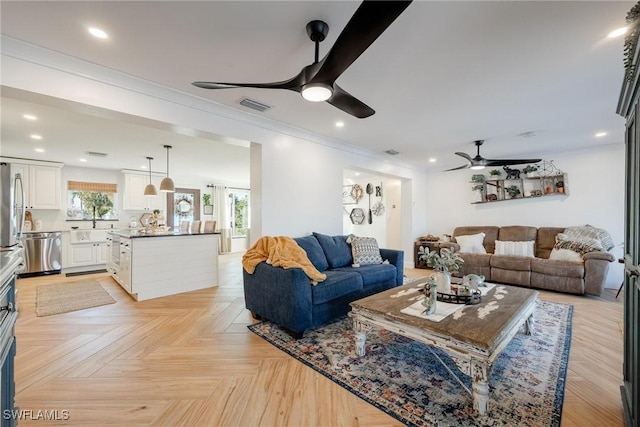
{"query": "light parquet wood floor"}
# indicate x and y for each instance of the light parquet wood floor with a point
(190, 360)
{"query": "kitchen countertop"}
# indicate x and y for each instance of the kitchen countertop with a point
(9, 262)
(132, 234)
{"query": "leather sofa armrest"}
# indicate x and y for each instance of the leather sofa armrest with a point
(395, 258)
(596, 266)
(280, 295)
(599, 255)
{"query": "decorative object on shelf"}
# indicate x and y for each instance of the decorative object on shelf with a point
(445, 262)
(495, 173)
(530, 171)
(511, 173)
(492, 197)
(513, 191)
(379, 190)
(351, 194)
(378, 209)
(370, 192)
(560, 186)
(477, 189)
(547, 168)
(536, 193)
(150, 189)
(477, 178)
(166, 185)
(430, 293)
(357, 216)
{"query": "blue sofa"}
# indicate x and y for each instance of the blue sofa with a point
(287, 298)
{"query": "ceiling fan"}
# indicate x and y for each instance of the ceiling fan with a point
(479, 162)
(316, 82)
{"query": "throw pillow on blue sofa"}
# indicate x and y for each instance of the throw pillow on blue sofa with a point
(314, 252)
(336, 249)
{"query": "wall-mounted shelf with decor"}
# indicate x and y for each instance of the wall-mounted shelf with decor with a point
(498, 190)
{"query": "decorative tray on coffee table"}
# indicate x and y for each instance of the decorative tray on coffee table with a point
(467, 296)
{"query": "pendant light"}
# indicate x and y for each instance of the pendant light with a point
(150, 189)
(167, 185)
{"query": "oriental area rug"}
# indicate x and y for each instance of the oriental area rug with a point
(402, 377)
(72, 296)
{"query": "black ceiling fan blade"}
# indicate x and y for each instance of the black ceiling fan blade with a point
(291, 84)
(508, 162)
(370, 20)
(467, 166)
(349, 104)
(465, 155)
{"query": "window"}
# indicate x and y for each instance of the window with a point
(92, 200)
(239, 212)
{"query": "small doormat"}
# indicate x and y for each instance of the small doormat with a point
(72, 296)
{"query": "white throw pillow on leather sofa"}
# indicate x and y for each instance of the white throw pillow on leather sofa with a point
(472, 243)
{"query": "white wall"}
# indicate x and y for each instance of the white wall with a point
(596, 196)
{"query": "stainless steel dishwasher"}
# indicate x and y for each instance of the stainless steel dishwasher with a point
(42, 253)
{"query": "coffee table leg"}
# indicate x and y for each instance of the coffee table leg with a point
(480, 376)
(360, 336)
(529, 325)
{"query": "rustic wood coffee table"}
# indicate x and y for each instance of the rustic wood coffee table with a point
(473, 336)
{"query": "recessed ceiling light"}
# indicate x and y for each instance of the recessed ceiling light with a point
(600, 134)
(35, 136)
(143, 166)
(39, 150)
(97, 32)
(357, 174)
(618, 32)
(29, 117)
(432, 160)
(83, 160)
(339, 124)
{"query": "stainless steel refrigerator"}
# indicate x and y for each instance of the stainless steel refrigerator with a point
(12, 207)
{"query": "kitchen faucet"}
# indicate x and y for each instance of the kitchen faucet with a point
(94, 217)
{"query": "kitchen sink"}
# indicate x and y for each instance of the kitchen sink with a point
(88, 236)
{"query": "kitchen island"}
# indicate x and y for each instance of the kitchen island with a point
(151, 265)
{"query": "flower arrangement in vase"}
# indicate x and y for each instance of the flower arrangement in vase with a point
(444, 263)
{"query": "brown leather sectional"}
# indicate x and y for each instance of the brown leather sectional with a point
(585, 277)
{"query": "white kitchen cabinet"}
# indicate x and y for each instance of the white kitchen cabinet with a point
(83, 254)
(42, 185)
(123, 275)
(134, 198)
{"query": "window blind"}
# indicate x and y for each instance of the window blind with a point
(100, 187)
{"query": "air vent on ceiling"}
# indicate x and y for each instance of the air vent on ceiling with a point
(392, 152)
(96, 154)
(254, 105)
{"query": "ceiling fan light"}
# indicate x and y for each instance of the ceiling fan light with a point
(316, 92)
(477, 167)
(150, 190)
(167, 185)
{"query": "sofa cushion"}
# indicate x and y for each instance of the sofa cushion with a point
(517, 233)
(338, 283)
(476, 260)
(314, 252)
(515, 249)
(374, 274)
(472, 243)
(336, 249)
(546, 239)
(515, 263)
(365, 250)
(565, 255)
(491, 234)
(557, 268)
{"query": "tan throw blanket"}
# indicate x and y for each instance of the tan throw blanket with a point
(280, 251)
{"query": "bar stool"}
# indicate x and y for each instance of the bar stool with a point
(195, 226)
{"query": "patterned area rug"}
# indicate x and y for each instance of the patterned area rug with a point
(404, 379)
(72, 296)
